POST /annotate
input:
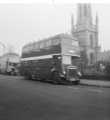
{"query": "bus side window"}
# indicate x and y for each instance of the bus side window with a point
(36, 47)
(48, 43)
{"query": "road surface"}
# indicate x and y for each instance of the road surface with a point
(31, 100)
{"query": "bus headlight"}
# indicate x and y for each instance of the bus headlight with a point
(64, 72)
(62, 75)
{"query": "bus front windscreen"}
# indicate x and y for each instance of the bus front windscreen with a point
(66, 59)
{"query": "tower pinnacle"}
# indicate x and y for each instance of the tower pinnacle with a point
(84, 14)
(97, 22)
(86, 33)
(72, 24)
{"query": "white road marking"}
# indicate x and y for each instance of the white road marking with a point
(96, 90)
(72, 87)
(89, 89)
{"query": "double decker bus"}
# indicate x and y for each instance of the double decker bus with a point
(52, 59)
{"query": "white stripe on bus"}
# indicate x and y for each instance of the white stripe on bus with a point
(38, 57)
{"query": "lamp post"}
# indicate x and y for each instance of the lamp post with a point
(3, 46)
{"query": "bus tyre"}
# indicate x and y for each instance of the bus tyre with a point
(28, 77)
(77, 82)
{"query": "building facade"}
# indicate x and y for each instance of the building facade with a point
(104, 56)
(8, 58)
(86, 33)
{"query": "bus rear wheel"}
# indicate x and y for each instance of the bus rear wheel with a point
(76, 82)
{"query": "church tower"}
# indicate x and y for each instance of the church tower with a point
(86, 33)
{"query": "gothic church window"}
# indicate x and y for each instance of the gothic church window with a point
(85, 10)
(91, 58)
(91, 41)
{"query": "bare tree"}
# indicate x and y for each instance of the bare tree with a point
(10, 49)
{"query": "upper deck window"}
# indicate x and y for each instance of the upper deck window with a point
(27, 49)
(36, 47)
(41, 45)
(24, 50)
(55, 41)
(48, 43)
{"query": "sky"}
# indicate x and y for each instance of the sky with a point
(21, 23)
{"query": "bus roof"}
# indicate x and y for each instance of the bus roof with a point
(51, 45)
(58, 36)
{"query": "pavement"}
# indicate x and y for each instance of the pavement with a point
(98, 83)
(88, 82)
